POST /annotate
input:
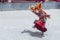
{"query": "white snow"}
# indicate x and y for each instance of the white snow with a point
(18, 25)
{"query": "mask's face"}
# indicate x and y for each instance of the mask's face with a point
(32, 8)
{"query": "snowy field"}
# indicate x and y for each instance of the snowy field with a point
(18, 25)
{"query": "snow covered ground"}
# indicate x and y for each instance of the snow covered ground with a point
(17, 25)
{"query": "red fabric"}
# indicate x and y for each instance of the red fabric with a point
(40, 23)
(41, 26)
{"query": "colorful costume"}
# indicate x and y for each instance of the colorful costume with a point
(40, 23)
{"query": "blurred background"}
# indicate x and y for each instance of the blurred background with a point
(16, 17)
(24, 4)
(28, 0)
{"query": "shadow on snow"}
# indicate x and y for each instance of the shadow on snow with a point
(33, 34)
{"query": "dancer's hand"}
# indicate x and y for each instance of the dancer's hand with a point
(48, 16)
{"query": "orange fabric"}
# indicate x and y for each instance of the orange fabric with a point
(39, 6)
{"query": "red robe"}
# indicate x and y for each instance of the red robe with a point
(40, 26)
